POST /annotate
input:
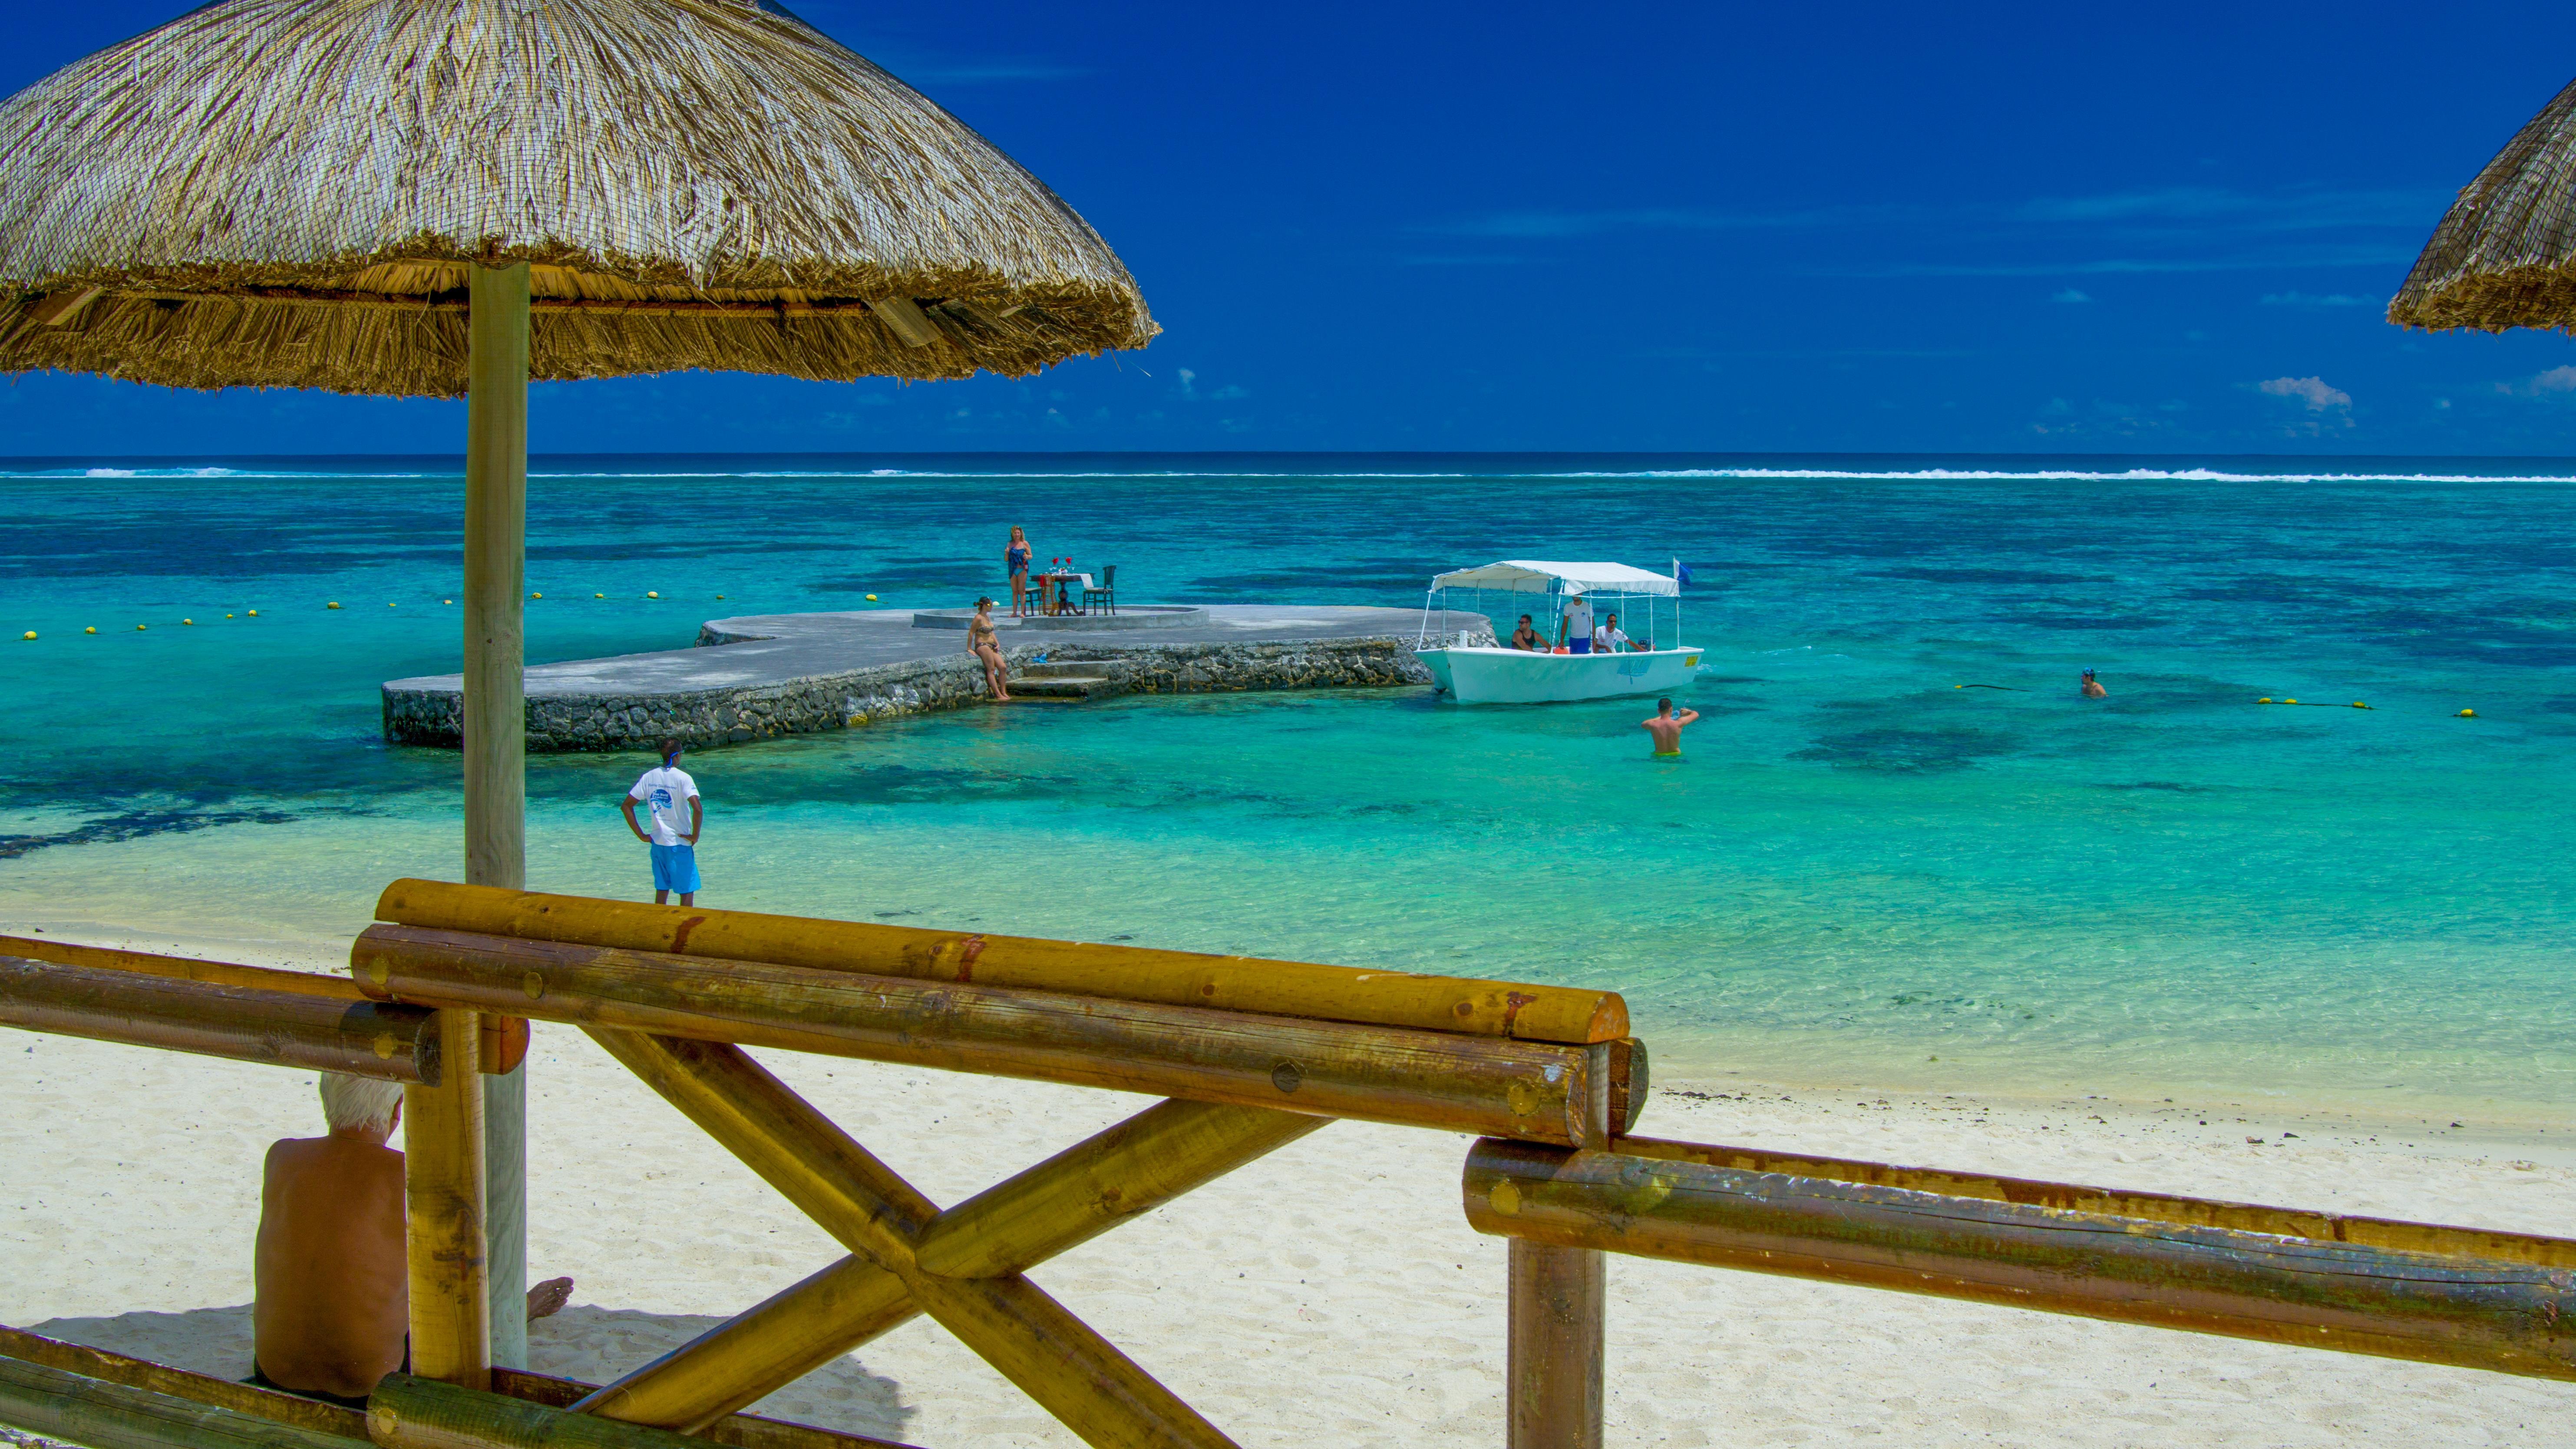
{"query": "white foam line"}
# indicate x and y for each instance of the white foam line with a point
(1936, 475)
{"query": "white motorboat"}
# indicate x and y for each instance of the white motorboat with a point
(1563, 600)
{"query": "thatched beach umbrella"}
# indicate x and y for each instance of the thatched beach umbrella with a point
(445, 198)
(2505, 254)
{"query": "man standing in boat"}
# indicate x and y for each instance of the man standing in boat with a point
(1578, 625)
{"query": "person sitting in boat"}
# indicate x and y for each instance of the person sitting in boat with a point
(1609, 638)
(1578, 625)
(1528, 638)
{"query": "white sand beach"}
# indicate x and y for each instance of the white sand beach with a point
(1330, 1294)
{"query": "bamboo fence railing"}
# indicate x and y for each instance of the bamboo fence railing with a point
(1250, 1055)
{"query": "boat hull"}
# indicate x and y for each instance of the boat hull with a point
(1518, 676)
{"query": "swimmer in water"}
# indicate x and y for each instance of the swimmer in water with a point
(1666, 727)
(2093, 687)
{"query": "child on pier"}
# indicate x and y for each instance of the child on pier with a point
(674, 836)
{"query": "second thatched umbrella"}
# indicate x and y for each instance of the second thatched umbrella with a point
(2505, 254)
(445, 198)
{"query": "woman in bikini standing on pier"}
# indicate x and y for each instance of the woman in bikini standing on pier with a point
(985, 643)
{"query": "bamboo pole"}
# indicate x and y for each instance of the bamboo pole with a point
(1630, 1084)
(1125, 973)
(495, 724)
(1093, 1186)
(1554, 1354)
(737, 1431)
(68, 1406)
(2120, 1202)
(179, 968)
(2472, 1312)
(408, 1412)
(1533, 1090)
(274, 1028)
(1557, 1300)
(1052, 1356)
(291, 1410)
(773, 1344)
(505, 1039)
(451, 1306)
(1011, 1227)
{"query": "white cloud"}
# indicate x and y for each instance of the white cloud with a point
(2310, 299)
(2313, 391)
(2069, 295)
(2554, 382)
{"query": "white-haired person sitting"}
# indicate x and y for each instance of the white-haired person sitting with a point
(333, 1303)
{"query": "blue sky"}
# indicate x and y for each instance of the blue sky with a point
(1639, 227)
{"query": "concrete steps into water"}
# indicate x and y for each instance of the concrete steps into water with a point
(1072, 679)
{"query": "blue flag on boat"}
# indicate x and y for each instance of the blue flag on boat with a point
(1681, 572)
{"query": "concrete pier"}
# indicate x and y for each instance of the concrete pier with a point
(762, 676)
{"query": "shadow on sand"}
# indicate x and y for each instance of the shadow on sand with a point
(582, 1342)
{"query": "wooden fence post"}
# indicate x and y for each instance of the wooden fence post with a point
(451, 1320)
(1558, 1299)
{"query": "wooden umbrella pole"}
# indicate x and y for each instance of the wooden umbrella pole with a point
(496, 569)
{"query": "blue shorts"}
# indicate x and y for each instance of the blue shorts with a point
(1578, 645)
(675, 868)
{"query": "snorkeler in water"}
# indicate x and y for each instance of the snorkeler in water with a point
(2093, 687)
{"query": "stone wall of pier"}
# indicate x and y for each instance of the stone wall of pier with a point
(560, 724)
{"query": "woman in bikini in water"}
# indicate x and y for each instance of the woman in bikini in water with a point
(985, 643)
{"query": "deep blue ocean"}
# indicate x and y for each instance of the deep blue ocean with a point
(1902, 852)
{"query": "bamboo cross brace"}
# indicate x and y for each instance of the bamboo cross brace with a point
(1081, 1192)
(1054, 1357)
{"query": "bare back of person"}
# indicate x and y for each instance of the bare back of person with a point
(1666, 728)
(333, 1295)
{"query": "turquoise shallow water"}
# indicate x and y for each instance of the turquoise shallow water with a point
(1861, 875)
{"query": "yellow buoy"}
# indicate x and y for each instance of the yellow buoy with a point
(2357, 704)
(2466, 714)
(536, 596)
(873, 598)
(447, 601)
(335, 603)
(187, 621)
(2289, 701)
(393, 606)
(139, 628)
(719, 596)
(254, 613)
(2267, 699)
(227, 616)
(650, 594)
(31, 634)
(92, 629)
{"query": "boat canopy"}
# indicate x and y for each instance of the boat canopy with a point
(1539, 576)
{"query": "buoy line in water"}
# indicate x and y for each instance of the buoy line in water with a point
(2267, 699)
(31, 635)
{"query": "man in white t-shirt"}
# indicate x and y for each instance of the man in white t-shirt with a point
(1609, 638)
(670, 798)
(1578, 625)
